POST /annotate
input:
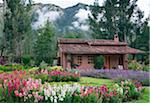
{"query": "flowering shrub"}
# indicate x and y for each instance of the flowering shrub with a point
(129, 90)
(134, 65)
(16, 87)
(56, 76)
(141, 76)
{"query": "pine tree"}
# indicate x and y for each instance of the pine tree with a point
(17, 25)
(115, 16)
(45, 46)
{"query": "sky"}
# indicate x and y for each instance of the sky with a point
(143, 4)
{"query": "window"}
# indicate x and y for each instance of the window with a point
(90, 59)
(79, 60)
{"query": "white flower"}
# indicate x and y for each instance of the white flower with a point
(53, 93)
(120, 90)
(51, 98)
(55, 100)
(46, 98)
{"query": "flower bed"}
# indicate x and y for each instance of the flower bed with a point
(56, 76)
(18, 89)
(141, 76)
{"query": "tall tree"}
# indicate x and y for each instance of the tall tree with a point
(17, 25)
(45, 46)
(115, 16)
(96, 22)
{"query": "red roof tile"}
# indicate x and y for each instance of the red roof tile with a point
(79, 46)
(90, 41)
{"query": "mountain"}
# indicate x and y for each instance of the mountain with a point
(65, 20)
(71, 19)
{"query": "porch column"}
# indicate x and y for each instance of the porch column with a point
(125, 61)
(107, 61)
(64, 62)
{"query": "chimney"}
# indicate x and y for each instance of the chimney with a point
(116, 38)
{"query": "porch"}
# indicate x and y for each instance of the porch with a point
(86, 61)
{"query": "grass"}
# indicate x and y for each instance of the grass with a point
(88, 81)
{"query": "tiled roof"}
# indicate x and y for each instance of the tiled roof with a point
(95, 47)
(90, 41)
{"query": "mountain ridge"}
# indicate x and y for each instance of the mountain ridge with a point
(65, 20)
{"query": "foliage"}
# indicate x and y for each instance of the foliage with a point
(55, 68)
(134, 65)
(99, 62)
(13, 67)
(73, 35)
(26, 59)
(129, 90)
(146, 68)
(115, 17)
(45, 45)
(43, 77)
(17, 26)
(1, 71)
(43, 65)
(33, 70)
(142, 41)
(144, 98)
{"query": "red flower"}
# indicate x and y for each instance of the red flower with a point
(103, 89)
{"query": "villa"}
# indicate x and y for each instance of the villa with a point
(82, 52)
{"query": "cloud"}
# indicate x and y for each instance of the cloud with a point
(43, 17)
(84, 27)
(82, 15)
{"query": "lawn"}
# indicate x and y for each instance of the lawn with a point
(88, 81)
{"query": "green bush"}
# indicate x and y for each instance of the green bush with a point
(43, 65)
(6, 68)
(33, 70)
(26, 59)
(134, 65)
(1, 71)
(12, 67)
(99, 62)
(146, 68)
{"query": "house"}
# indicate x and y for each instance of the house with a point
(82, 52)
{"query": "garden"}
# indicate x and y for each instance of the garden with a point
(54, 84)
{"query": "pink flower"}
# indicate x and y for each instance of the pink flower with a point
(29, 95)
(16, 93)
(20, 95)
(111, 94)
(103, 89)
